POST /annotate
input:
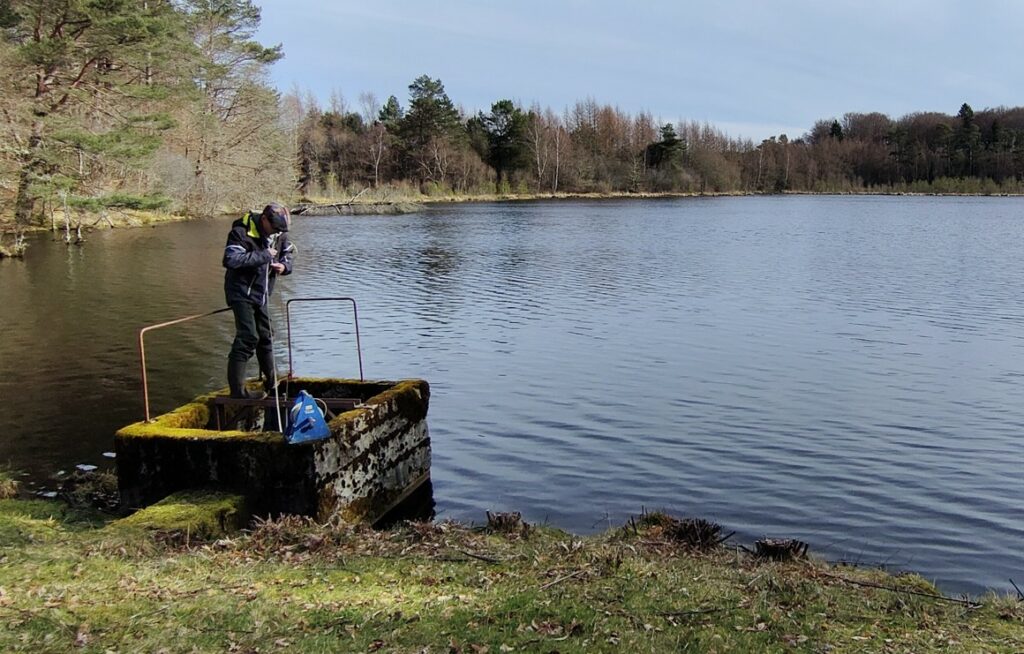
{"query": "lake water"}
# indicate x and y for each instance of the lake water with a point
(846, 371)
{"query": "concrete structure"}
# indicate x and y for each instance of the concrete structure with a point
(378, 453)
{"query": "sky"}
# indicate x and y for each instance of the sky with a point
(751, 68)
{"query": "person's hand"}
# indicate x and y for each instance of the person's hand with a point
(272, 251)
(277, 267)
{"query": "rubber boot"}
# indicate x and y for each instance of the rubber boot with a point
(236, 379)
(266, 360)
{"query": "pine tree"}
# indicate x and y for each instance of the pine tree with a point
(668, 152)
(836, 131)
(80, 90)
(505, 129)
(968, 139)
(391, 114)
(429, 130)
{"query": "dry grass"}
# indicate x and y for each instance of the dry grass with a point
(9, 486)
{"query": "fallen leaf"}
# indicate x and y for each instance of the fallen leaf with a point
(82, 637)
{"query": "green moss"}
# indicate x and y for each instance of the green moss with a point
(411, 398)
(36, 520)
(152, 430)
(23, 521)
(191, 420)
(202, 514)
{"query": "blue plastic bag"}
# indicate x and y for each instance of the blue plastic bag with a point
(305, 421)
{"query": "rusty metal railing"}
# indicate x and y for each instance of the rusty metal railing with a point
(142, 348)
(287, 311)
(288, 321)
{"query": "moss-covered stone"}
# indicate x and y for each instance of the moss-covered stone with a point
(373, 454)
(190, 420)
(202, 514)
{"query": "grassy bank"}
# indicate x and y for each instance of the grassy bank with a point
(13, 245)
(68, 584)
(90, 222)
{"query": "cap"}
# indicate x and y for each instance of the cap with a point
(278, 216)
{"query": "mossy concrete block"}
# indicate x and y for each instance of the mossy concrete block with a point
(375, 455)
(198, 513)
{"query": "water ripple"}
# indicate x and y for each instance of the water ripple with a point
(843, 370)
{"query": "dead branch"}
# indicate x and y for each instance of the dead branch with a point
(938, 598)
(563, 578)
(1020, 595)
(479, 557)
(683, 614)
(356, 196)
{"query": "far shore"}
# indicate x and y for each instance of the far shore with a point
(411, 204)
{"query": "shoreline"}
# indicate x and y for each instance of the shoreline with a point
(180, 575)
(135, 219)
(96, 491)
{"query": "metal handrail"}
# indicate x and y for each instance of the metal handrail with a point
(288, 321)
(287, 311)
(142, 348)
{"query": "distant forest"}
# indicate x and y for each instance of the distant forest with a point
(165, 105)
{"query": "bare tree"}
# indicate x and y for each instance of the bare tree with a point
(537, 140)
(336, 103)
(557, 141)
(378, 148)
(238, 113)
(370, 107)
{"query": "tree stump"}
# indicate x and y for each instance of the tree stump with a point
(782, 549)
(507, 523)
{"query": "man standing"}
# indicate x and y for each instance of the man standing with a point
(257, 252)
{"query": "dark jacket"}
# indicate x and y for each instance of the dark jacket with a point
(248, 277)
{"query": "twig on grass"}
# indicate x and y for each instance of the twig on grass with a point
(683, 614)
(481, 557)
(563, 578)
(938, 598)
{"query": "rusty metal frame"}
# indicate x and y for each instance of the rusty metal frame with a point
(288, 321)
(142, 348)
(287, 311)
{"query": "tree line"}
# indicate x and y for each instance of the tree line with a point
(147, 104)
(592, 147)
(165, 104)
